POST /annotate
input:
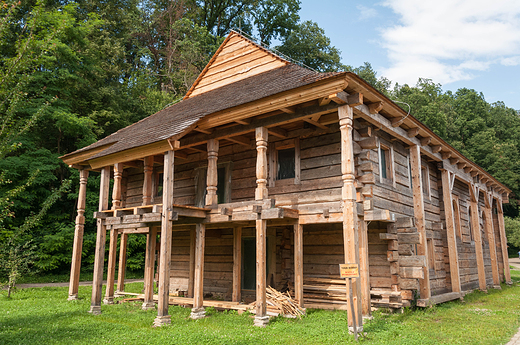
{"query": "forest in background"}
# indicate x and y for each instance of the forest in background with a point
(72, 73)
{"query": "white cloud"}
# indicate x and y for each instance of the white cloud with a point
(366, 12)
(450, 40)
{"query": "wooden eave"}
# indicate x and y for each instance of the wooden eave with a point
(392, 111)
(82, 157)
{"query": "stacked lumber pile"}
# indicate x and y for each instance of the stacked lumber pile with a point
(281, 304)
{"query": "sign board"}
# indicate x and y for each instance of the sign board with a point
(349, 270)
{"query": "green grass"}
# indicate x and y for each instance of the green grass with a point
(44, 316)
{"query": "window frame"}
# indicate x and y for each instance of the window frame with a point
(273, 162)
(425, 180)
(200, 177)
(455, 205)
(388, 149)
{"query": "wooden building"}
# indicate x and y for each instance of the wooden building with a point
(268, 173)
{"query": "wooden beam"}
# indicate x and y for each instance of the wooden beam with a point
(203, 130)
(324, 101)
(418, 206)
(78, 236)
(277, 132)
(450, 231)
(191, 273)
(355, 99)
(198, 312)
(315, 123)
(261, 318)
(166, 243)
(339, 97)
(99, 257)
(298, 264)
(364, 268)
(396, 121)
(436, 148)
(287, 110)
(149, 264)
(454, 161)
(111, 268)
(503, 242)
(426, 140)
(375, 107)
(461, 165)
(123, 244)
(413, 132)
(490, 231)
(445, 155)
(237, 263)
(244, 121)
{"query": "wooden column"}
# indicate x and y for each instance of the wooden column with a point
(122, 265)
(475, 227)
(111, 268)
(237, 264)
(147, 183)
(261, 318)
(99, 258)
(261, 163)
(198, 311)
(350, 217)
(366, 306)
(447, 187)
(491, 240)
(78, 237)
(116, 191)
(191, 274)
(212, 175)
(418, 210)
(298, 263)
(149, 266)
(503, 241)
(166, 242)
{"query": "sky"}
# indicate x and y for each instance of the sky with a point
(456, 43)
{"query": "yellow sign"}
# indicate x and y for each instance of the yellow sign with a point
(349, 270)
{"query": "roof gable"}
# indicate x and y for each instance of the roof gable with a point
(237, 58)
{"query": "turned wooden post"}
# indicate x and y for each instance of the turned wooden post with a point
(298, 264)
(147, 183)
(418, 210)
(350, 217)
(475, 227)
(116, 191)
(166, 243)
(503, 241)
(212, 175)
(78, 236)
(149, 265)
(491, 240)
(447, 187)
(111, 268)
(198, 312)
(261, 163)
(237, 263)
(122, 265)
(99, 259)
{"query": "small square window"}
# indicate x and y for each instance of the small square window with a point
(286, 164)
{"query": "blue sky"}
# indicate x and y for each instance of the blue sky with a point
(457, 43)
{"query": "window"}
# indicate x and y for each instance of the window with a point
(469, 224)
(386, 162)
(159, 184)
(431, 254)
(425, 180)
(223, 184)
(456, 217)
(284, 162)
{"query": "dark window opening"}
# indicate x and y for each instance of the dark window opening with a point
(286, 164)
(384, 167)
(249, 262)
(159, 184)
(221, 185)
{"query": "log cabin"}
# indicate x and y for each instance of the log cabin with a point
(268, 173)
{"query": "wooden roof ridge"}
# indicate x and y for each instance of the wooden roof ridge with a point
(232, 34)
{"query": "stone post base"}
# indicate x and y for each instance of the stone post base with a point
(261, 321)
(95, 310)
(498, 287)
(509, 283)
(359, 329)
(148, 305)
(198, 313)
(108, 300)
(72, 297)
(118, 294)
(162, 321)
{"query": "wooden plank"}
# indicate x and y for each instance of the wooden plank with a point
(149, 265)
(379, 215)
(412, 272)
(122, 263)
(199, 269)
(261, 227)
(111, 268)
(488, 226)
(418, 206)
(99, 257)
(412, 261)
(439, 299)
(298, 264)
(503, 239)
(475, 227)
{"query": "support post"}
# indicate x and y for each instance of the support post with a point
(78, 237)
(261, 163)
(191, 274)
(261, 318)
(473, 192)
(366, 306)
(212, 175)
(237, 263)
(166, 243)
(503, 241)
(99, 258)
(198, 311)
(418, 210)
(116, 191)
(450, 230)
(147, 183)
(149, 265)
(111, 268)
(491, 240)
(350, 217)
(298, 264)
(122, 265)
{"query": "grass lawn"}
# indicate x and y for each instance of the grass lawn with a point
(44, 316)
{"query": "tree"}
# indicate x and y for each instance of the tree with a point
(309, 45)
